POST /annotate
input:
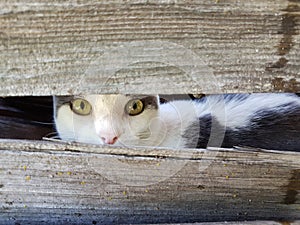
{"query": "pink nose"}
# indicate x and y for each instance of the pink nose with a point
(109, 140)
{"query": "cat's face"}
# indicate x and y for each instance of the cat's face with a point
(108, 119)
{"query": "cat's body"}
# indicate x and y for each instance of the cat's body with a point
(270, 121)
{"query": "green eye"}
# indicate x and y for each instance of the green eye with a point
(81, 107)
(134, 107)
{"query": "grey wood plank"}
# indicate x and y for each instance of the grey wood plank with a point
(44, 182)
(167, 47)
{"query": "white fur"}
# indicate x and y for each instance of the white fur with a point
(162, 127)
(235, 114)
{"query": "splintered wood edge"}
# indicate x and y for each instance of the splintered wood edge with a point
(238, 153)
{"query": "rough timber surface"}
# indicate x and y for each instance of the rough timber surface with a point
(65, 183)
(146, 46)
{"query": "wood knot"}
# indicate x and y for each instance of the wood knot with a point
(291, 85)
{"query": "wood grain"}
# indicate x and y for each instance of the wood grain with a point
(46, 182)
(165, 46)
(146, 46)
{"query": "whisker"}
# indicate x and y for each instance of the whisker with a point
(56, 137)
(44, 123)
(52, 133)
(55, 140)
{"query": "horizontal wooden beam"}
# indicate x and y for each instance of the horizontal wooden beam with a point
(243, 223)
(246, 223)
(56, 182)
(164, 46)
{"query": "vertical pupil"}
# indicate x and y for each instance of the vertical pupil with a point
(82, 105)
(134, 106)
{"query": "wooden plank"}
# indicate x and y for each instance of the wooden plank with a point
(71, 47)
(244, 223)
(46, 182)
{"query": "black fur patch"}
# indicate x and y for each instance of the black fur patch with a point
(58, 101)
(150, 102)
(276, 129)
(198, 133)
(207, 131)
(61, 100)
(269, 129)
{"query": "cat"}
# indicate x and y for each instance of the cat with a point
(269, 121)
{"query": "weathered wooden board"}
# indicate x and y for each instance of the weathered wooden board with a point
(44, 182)
(139, 46)
(147, 46)
(245, 223)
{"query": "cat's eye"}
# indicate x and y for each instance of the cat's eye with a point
(81, 107)
(134, 107)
